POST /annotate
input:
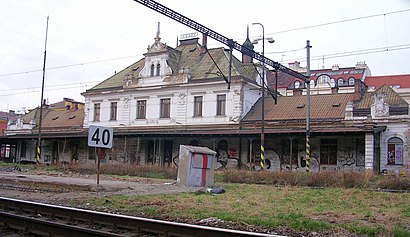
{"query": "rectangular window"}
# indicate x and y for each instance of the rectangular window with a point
(220, 104)
(165, 108)
(328, 152)
(141, 109)
(197, 106)
(113, 111)
(395, 154)
(97, 107)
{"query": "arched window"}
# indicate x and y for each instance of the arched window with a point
(158, 69)
(297, 84)
(323, 79)
(351, 81)
(340, 82)
(152, 70)
(395, 151)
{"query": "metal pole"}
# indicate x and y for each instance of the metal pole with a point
(263, 103)
(230, 68)
(276, 86)
(308, 106)
(262, 162)
(38, 157)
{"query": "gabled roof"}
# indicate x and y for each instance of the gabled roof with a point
(392, 98)
(185, 56)
(403, 81)
(117, 80)
(326, 107)
(62, 119)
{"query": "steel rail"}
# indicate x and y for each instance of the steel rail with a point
(48, 228)
(137, 224)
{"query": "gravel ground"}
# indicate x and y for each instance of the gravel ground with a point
(62, 188)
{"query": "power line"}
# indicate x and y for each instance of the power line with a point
(278, 32)
(354, 53)
(68, 65)
(36, 89)
(338, 22)
(287, 51)
(330, 23)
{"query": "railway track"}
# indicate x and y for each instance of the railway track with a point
(50, 220)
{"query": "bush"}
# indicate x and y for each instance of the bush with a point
(394, 182)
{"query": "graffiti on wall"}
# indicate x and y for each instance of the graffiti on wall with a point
(345, 156)
(360, 161)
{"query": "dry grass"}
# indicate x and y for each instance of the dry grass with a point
(340, 179)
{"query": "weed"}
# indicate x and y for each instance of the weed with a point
(400, 232)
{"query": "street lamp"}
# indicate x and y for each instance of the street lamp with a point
(270, 40)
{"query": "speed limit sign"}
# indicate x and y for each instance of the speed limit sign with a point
(100, 136)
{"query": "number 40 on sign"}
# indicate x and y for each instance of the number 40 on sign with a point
(100, 136)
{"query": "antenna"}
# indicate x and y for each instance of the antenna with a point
(38, 157)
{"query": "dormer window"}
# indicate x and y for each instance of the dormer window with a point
(158, 69)
(340, 82)
(152, 70)
(324, 79)
(297, 84)
(351, 81)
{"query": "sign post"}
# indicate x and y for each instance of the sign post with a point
(102, 139)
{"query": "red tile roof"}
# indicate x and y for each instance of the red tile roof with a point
(285, 80)
(391, 80)
(332, 106)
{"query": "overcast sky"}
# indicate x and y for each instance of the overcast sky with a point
(88, 40)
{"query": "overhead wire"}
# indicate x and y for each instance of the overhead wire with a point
(354, 53)
(313, 58)
(338, 22)
(69, 65)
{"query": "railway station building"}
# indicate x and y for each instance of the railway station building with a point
(184, 96)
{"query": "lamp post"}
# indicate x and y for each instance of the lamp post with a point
(270, 40)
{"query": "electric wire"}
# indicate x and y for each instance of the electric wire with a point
(313, 58)
(338, 22)
(69, 65)
(353, 53)
(278, 32)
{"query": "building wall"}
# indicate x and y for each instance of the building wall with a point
(394, 130)
(182, 105)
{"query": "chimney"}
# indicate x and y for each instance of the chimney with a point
(295, 66)
(204, 43)
(361, 65)
(358, 90)
(335, 67)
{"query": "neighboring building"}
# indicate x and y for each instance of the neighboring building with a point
(6, 118)
(62, 134)
(322, 81)
(67, 104)
(399, 83)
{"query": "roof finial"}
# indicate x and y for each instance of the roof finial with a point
(157, 38)
(247, 31)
